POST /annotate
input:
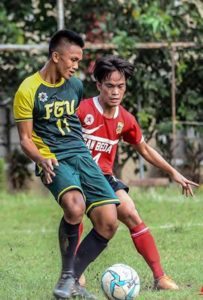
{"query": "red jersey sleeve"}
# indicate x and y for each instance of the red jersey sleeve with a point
(79, 110)
(82, 109)
(132, 133)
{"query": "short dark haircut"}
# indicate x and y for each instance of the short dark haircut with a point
(105, 65)
(64, 36)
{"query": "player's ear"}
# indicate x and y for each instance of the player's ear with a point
(55, 56)
(98, 84)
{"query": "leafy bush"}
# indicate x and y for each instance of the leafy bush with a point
(19, 172)
(123, 23)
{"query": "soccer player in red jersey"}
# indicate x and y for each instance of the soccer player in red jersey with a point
(104, 123)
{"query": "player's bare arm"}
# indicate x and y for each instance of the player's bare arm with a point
(153, 157)
(30, 149)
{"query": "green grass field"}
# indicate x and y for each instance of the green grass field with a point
(29, 256)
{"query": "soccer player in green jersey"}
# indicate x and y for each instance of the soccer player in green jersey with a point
(50, 134)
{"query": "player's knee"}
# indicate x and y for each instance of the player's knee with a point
(125, 214)
(75, 215)
(108, 228)
(104, 220)
(111, 228)
(73, 206)
(129, 215)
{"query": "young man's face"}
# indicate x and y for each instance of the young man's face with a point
(112, 89)
(67, 59)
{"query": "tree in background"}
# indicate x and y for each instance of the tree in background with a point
(123, 23)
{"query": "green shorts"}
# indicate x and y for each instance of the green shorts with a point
(83, 174)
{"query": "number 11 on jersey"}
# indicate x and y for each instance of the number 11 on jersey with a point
(63, 126)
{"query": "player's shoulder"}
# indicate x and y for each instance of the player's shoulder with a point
(87, 101)
(75, 82)
(125, 114)
(127, 118)
(29, 83)
(86, 107)
(76, 85)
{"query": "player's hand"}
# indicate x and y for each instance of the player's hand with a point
(185, 183)
(47, 165)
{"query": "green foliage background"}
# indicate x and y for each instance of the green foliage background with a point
(123, 23)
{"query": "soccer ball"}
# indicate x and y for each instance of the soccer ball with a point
(120, 282)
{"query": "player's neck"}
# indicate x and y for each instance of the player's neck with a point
(108, 111)
(48, 74)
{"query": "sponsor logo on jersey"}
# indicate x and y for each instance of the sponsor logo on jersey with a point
(89, 119)
(92, 130)
(119, 127)
(98, 146)
(43, 97)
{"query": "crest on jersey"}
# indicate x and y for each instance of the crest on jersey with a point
(119, 127)
(43, 97)
(89, 119)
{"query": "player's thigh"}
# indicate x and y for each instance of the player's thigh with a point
(66, 180)
(104, 220)
(96, 188)
(125, 198)
(127, 212)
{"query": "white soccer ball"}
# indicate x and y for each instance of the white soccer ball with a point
(120, 282)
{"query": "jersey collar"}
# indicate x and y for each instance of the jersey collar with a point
(100, 109)
(49, 84)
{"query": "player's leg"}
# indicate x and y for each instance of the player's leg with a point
(68, 193)
(82, 279)
(69, 237)
(94, 187)
(73, 206)
(143, 240)
(140, 234)
(101, 208)
(104, 219)
(81, 229)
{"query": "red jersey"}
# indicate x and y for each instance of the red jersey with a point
(102, 134)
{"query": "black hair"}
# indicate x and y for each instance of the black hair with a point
(64, 36)
(105, 65)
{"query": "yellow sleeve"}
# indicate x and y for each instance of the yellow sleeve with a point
(23, 105)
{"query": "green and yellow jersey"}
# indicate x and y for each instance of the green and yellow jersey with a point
(56, 128)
